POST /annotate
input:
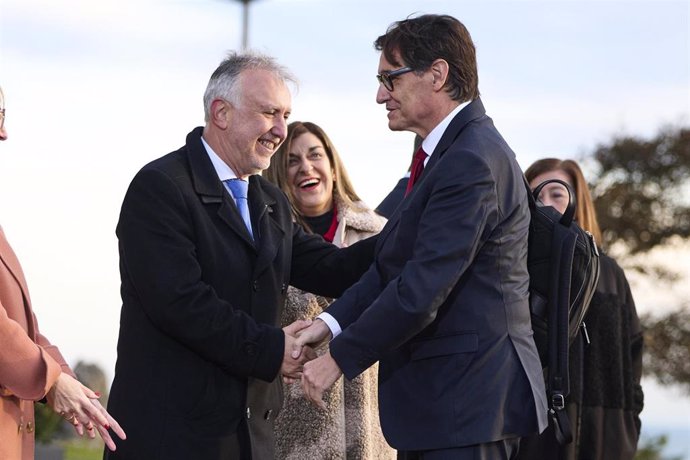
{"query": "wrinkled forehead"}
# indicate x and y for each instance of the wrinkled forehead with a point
(266, 89)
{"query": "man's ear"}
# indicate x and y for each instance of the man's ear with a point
(439, 73)
(220, 113)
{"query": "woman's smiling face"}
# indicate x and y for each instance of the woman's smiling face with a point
(310, 175)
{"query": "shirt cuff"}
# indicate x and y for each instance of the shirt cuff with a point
(331, 322)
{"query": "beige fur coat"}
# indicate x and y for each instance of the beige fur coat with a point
(350, 428)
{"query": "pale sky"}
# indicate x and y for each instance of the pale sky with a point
(96, 89)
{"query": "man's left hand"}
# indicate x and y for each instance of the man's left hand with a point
(318, 376)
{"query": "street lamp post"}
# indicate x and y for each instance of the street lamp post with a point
(245, 21)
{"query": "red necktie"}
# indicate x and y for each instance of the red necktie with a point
(416, 170)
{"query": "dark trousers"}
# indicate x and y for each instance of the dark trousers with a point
(238, 446)
(505, 449)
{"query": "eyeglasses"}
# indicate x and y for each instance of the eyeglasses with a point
(386, 78)
(2, 118)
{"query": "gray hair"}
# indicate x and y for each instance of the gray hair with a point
(223, 82)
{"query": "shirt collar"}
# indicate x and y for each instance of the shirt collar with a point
(429, 144)
(222, 169)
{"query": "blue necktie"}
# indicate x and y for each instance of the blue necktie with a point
(238, 188)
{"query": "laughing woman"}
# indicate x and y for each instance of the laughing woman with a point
(308, 169)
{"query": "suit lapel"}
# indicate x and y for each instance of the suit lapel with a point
(471, 112)
(210, 189)
(229, 214)
(268, 234)
(9, 259)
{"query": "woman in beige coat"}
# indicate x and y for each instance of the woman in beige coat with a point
(32, 369)
(308, 169)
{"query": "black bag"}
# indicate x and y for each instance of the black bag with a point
(563, 264)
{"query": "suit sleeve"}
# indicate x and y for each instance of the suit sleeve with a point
(158, 257)
(27, 371)
(322, 268)
(450, 231)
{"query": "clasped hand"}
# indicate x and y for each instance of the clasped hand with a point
(292, 366)
(317, 374)
(79, 405)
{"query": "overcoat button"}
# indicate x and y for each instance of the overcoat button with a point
(267, 415)
(250, 349)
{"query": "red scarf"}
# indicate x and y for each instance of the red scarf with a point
(330, 234)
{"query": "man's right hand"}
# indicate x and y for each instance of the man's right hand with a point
(315, 334)
(291, 369)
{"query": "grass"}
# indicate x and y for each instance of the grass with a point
(81, 449)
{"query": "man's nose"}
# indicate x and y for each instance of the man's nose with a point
(382, 95)
(280, 128)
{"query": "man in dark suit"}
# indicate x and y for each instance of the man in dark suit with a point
(205, 268)
(444, 307)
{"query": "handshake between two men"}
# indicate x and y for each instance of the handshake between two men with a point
(301, 363)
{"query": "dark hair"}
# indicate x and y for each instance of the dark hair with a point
(585, 214)
(420, 41)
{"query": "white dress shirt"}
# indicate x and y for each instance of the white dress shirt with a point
(224, 171)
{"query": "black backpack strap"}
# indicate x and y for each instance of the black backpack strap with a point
(569, 213)
(563, 242)
(558, 378)
(561, 426)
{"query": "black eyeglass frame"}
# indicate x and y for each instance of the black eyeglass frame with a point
(386, 78)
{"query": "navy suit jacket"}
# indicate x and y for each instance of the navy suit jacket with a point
(444, 307)
(393, 199)
(200, 345)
